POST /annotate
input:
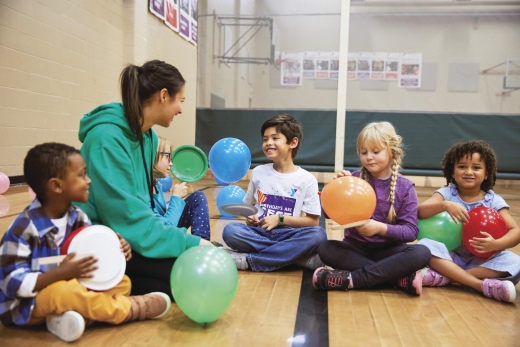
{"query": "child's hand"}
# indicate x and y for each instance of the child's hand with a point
(125, 247)
(252, 221)
(483, 244)
(457, 212)
(180, 189)
(371, 228)
(342, 173)
(269, 222)
(81, 268)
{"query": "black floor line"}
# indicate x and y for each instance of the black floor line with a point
(312, 318)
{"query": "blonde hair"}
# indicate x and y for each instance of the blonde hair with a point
(379, 135)
(164, 145)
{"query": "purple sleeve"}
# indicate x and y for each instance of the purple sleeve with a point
(405, 228)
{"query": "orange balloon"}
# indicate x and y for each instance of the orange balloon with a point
(348, 200)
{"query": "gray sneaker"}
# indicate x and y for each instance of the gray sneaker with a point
(311, 262)
(240, 259)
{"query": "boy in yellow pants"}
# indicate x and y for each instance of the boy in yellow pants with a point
(31, 293)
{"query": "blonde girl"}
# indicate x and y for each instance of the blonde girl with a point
(189, 212)
(377, 252)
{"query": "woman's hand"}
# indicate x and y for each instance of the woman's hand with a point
(125, 247)
(205, 243)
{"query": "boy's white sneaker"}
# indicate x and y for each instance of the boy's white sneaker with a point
(68, 326)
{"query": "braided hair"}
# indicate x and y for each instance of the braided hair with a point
(379, 135)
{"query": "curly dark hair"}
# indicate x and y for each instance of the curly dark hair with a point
(46, 161)
(287, 125)
(464, 149)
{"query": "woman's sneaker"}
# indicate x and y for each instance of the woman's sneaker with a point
(68, 326)
(325, 279)
(411, 283)
(432, 278)
(499, 290)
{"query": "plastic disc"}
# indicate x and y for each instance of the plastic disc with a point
(189, 163)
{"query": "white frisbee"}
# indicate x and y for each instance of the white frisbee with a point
(102, 243)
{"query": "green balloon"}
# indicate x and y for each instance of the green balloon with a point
(204, 281)
(441, 228)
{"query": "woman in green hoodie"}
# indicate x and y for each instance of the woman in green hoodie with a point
(119, 147)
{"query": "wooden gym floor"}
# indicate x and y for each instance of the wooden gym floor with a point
(282, 309)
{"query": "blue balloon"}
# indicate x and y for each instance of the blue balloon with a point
(166, 183)
(229, 160)
(230, 195)
(219, 182)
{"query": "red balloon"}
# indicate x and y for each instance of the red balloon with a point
(483, 219)
(348, 200)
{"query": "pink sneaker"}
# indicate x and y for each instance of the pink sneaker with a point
(499, 290)
(411, 283)
(432, 278)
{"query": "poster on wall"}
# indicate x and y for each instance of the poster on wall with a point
(334, 65)
(352, 66)
(377, 71)
(193, 21)
(172, 14)
(157, 8)
(322, 65)
(184, 19)
(364, 62)
(291, 70)
(309, 65)
(410, 73)
(392, 66)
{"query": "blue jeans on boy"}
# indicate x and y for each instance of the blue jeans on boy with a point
(272, 250)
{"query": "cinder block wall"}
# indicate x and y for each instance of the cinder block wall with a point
(60, 59)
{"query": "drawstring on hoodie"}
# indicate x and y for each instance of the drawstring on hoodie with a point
(148, 175)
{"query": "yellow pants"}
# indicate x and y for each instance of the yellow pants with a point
(111, 306)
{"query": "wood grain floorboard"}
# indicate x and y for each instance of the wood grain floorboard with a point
(266, 308)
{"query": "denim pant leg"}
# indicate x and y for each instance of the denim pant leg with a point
(272, 250)
(196, 215)
(374, 266)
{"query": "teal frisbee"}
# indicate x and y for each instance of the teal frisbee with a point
(189, 163)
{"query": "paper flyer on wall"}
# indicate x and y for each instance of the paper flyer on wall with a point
(352, 66)
(171, 19)
(410, 73)
(309, 65)
(392, 66)
(334, 65)
(184, 19)
(157, 8)
(377, 71)
(363, 65)
(291, 70)
(322, 65)
(193, 22)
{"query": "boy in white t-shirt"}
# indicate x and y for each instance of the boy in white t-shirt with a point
(286, 229)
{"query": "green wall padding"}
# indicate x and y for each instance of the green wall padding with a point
(426, 136)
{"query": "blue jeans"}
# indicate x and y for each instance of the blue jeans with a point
(372, 264)
(196, 215)
(272, 250)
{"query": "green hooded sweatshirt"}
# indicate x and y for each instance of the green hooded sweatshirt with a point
(119, 196)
